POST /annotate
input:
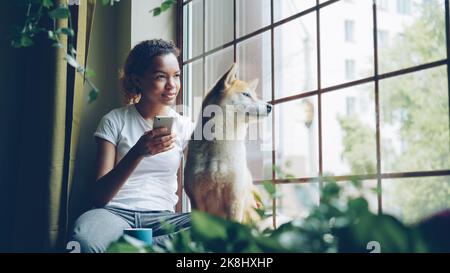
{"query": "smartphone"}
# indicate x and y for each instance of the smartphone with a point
(163, 121)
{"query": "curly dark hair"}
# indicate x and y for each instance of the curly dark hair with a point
(139, 60)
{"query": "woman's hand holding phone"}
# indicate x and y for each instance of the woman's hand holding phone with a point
(155, 141)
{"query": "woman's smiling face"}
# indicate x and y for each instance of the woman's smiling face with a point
(160, 84)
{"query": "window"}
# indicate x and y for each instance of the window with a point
(340, 24)
(372, 121)
(349, 30)
(383, 38)
(349, 69)
(350, 101)
(404, 7)
(383, 5)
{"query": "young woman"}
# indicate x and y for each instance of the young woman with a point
(136, 164)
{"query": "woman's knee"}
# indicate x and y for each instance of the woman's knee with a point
(88, 243)
(95, 230)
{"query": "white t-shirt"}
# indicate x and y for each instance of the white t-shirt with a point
(153, 184)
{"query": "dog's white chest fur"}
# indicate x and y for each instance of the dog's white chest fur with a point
(217, 179)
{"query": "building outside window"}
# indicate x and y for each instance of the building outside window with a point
(383, 5)
(349, 31)
(383, 38)
(404, 7)
(349, 69)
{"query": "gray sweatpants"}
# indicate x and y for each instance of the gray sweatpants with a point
(96, 229)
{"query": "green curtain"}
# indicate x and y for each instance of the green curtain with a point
(50, 129)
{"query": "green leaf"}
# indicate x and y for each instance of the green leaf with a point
(93, 94)
(106, 2)
(270, 188)
(67, 31)
(15, 44)
(72, 50)
(210, 227)
(389, 232)
(356, 182)
(219, 235)
(51, 35)
(15, 36)
(60, 13)
(261, 212)
(89, 73)
(21, 40)
(72, 61)
(156, 11)
(277, 170)
(166, 5)
(358, 205)
(330, 190)
(267, 244)
(290, 177)
(376, 190)
(26, 41)
(47, 3)
(57, 45)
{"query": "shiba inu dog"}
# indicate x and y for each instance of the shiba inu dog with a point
(217, 179)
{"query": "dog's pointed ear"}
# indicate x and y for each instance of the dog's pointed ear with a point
(253, 84)
(229, 77)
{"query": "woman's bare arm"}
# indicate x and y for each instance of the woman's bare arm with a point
(110, 178)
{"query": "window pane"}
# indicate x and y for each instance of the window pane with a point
(404, 7)
(348, 131)
(285, 8)
(383, 5)
(216, 65)
(296, 201)
(296, 137)
(349, 30)
(383, 39)
(415, 122)
(193, 29)
(259, 149)
(414, 38)
(413, 199)
(296, 56)
(350, 73)
(252, 15)
(193, 88)
(219, 23)
(254, 63)
(346, 34)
